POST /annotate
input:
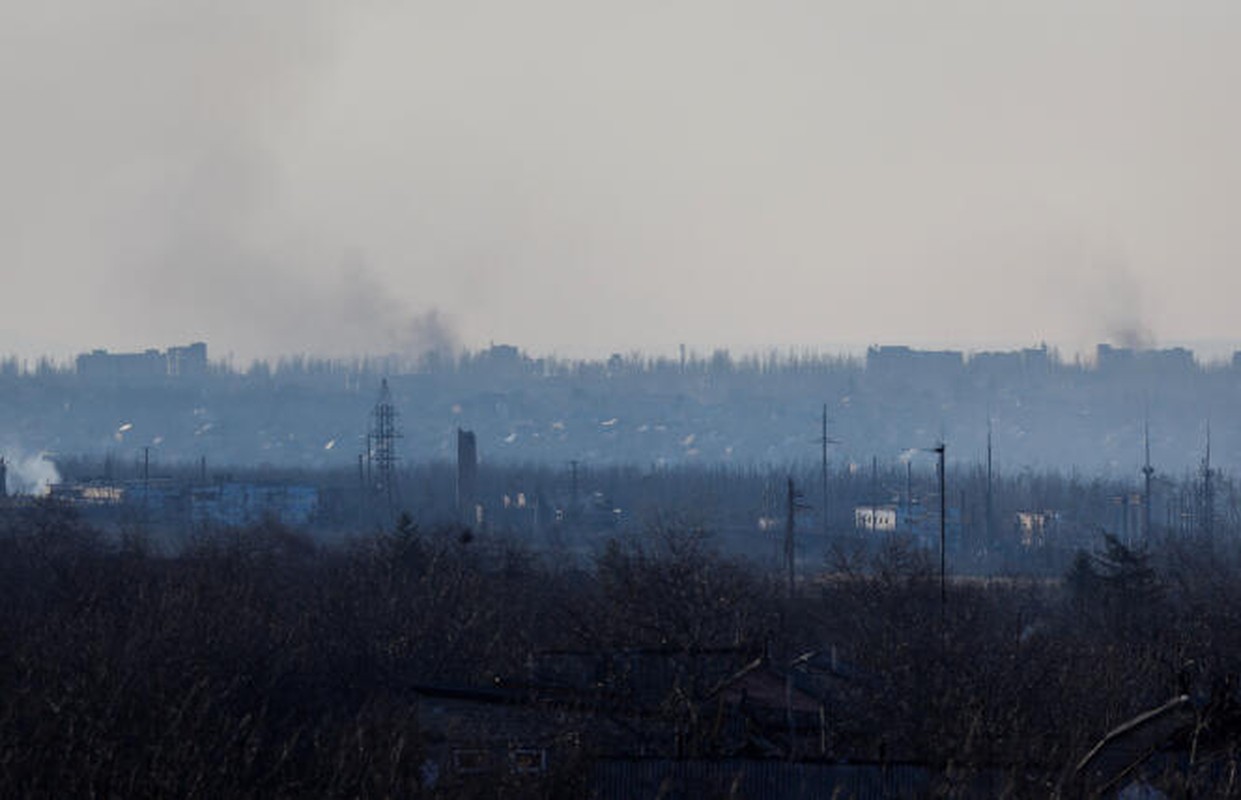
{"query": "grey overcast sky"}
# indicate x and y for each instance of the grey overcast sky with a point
(581, 177)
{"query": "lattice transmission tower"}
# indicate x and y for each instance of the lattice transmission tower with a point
(381, 445)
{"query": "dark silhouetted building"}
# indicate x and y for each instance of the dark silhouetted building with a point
(176, 361)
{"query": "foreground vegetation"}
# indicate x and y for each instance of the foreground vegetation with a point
(259, 663)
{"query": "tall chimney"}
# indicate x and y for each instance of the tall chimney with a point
(467, 477)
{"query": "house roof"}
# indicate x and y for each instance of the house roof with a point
(1127, 746)
(760, 685)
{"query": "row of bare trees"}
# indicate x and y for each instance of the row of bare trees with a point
(259, 662)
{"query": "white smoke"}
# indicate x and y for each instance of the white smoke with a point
(29, 473)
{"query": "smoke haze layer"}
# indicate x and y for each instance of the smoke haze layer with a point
(315, 177)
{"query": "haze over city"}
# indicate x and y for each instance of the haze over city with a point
(554, 399)
(334, 179)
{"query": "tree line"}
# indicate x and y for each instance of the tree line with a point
(261, 662)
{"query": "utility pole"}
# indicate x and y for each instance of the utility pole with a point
(909, 491)
(824, 440)
(362, 493)
(790, 524)
(1208, 492)
(573, 489)
(823, 510)
(146, 482)
(990, 506)
(1148, 472)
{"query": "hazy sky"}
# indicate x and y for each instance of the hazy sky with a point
(584, 177)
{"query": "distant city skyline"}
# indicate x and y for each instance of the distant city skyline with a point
(318, 177)
(1038, 410)
(1207, 353)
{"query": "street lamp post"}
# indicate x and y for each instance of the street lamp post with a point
(943, 550)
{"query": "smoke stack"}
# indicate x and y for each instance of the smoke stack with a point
(4, 476)
(467, 477)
